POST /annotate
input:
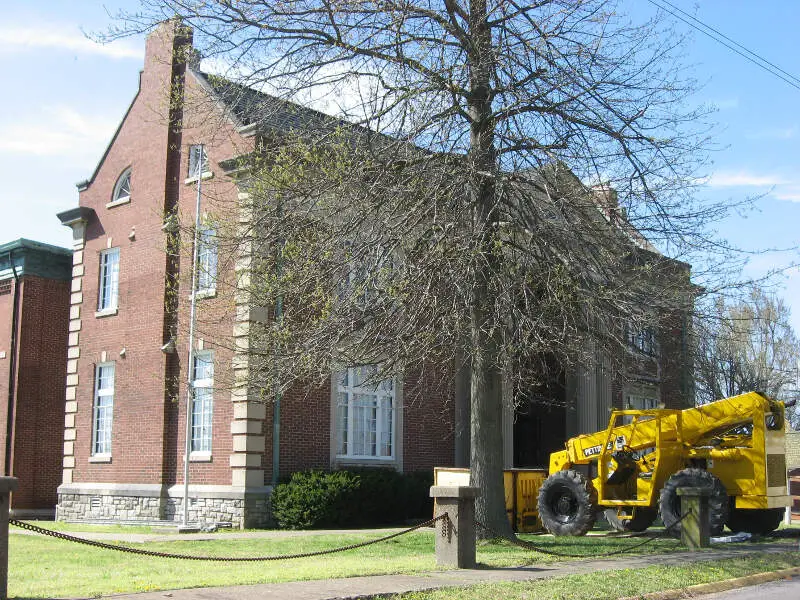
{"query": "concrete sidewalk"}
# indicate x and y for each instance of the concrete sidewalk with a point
(363, 587)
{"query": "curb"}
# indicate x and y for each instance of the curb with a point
(717, 586)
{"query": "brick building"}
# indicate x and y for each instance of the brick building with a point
(34, 312)
(128, 372)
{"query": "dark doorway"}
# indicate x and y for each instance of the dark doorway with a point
(540, 423)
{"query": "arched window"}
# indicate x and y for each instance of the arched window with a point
(122, 190)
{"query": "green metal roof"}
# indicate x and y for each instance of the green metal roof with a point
(35, 258)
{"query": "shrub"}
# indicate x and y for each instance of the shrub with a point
(315, 499)
(353, 498)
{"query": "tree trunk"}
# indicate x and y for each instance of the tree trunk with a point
(486, 431)
(486, 418)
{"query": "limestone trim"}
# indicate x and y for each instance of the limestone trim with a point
(155, 490)
(248, 416)
(77, 220)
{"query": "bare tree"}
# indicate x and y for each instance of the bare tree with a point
(747, 345)
(466, 228)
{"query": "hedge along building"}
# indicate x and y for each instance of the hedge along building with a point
(34, 312)
(129, 369)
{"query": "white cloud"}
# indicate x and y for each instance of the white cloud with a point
(790, 195)
(778, 186)
(745, 179)
(774, 133)
(58, 131)
(14, 40)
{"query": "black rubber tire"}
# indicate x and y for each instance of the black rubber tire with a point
(670, 503)
(641, 519)
(567, 502)
(758, 521)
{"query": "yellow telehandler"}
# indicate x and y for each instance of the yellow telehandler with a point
(735, 447)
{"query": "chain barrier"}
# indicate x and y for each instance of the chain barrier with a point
(529, 546)
(71, 538)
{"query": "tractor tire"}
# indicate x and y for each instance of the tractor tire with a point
(641, 518)
(670, 503)
(758, 521)
(567, 503)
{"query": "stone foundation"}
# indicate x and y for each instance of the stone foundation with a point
(208, 505)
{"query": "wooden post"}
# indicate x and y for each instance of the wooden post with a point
(695, 527)
(7, 485)
(455, 535)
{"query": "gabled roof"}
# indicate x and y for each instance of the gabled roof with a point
(268, 114)
(251, 107)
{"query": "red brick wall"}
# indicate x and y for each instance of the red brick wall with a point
(305, 431)
(148, 436)
(6, 318)
(204, 124)
(676, 361)
(39, 425)
(139, 403)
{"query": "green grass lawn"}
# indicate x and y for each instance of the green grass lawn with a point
(47, 567)
(610, 585)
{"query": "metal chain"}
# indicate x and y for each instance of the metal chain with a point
(529, 546)
(71, 538)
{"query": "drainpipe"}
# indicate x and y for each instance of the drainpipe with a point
(192, 317)
(12, 367)
(276, 407)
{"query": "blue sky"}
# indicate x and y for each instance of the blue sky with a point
(64, 96)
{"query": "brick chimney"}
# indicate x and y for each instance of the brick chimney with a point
(606, 198)
(167, 49)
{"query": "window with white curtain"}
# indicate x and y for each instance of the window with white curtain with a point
(109, 280)
(365, 414)
(202, 401)
(102, 417)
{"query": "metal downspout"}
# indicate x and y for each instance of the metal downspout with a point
(12, 367)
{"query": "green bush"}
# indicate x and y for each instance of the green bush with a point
(353, 498)
(314, 499)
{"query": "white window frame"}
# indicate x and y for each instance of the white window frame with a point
(194, 156)
(207, 260)
(118, 196)
(202, 405)
(642, 340)
(108, 281)
(641, 402)
(365, 416)
(362, 278)
(103, 409)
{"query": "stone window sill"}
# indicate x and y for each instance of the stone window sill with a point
(109, 312)
(122, 202)
(100, 458)
(365, 460)
(200, 457)
(208, 293)
(204, 176)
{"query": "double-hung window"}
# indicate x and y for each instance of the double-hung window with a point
(202, 401)
(365, 414)
(103, 409)
(198, 161)
(207, 260)
(641, 339)
(109, 280)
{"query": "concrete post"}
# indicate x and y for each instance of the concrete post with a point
(696, 527)
(7, 485)
(455, 535)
